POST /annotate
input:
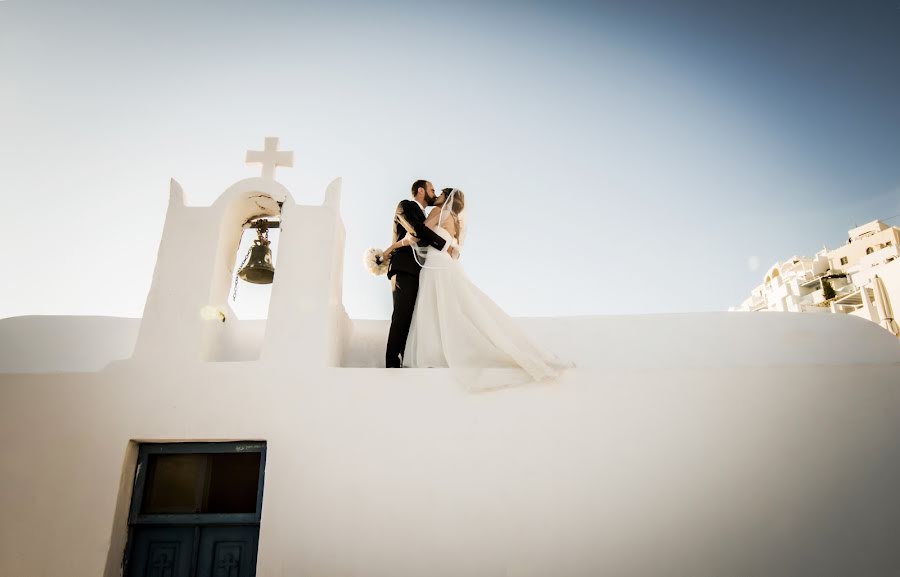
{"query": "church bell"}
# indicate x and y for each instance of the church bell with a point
(259, 268)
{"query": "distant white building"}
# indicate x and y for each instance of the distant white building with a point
(840, 281)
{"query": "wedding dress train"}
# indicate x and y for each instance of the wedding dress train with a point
(456, 325)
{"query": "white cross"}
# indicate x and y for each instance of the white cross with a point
(270, 157)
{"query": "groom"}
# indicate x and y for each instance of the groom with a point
(404, 269)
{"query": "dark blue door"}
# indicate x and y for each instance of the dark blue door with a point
(227, 552)
(196, 510)
(169, 552)
(162, 552)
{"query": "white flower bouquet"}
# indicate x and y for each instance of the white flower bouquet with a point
(374, 261)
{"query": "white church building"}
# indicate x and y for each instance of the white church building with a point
(190, 442)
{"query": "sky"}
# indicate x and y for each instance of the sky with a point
(623, 157)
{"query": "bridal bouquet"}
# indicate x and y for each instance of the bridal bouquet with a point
(374, 259)
(375, 262)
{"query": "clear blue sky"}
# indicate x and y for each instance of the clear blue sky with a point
(618, 157)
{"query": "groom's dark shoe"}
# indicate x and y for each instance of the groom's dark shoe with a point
(394, 363)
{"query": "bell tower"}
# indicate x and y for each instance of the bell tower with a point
(187, 315)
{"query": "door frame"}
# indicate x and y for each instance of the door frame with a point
(136, 519)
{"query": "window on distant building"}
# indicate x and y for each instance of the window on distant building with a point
(843, 260)
(870, 250)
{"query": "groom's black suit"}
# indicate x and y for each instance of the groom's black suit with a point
(405, 271)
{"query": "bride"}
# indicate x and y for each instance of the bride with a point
(456, 325)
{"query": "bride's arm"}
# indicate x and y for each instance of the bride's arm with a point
(450, 226)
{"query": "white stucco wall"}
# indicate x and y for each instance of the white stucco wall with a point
(47, 344)
(716, 471)
(674, 449)
(683, 340)
(76, 344)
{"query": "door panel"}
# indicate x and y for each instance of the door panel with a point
(227, 552)
(195, 510)
(161, 552)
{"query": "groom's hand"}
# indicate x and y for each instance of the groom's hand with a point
(451, 251)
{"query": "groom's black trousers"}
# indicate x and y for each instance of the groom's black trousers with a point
(406, 287)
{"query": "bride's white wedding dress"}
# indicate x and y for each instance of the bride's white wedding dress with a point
(456, 325)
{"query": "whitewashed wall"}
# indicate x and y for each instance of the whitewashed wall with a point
(76, 344)
(627, 469)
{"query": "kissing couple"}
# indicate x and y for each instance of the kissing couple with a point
(440, 318)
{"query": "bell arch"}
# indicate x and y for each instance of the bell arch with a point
(194, 271)
(240, 204)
